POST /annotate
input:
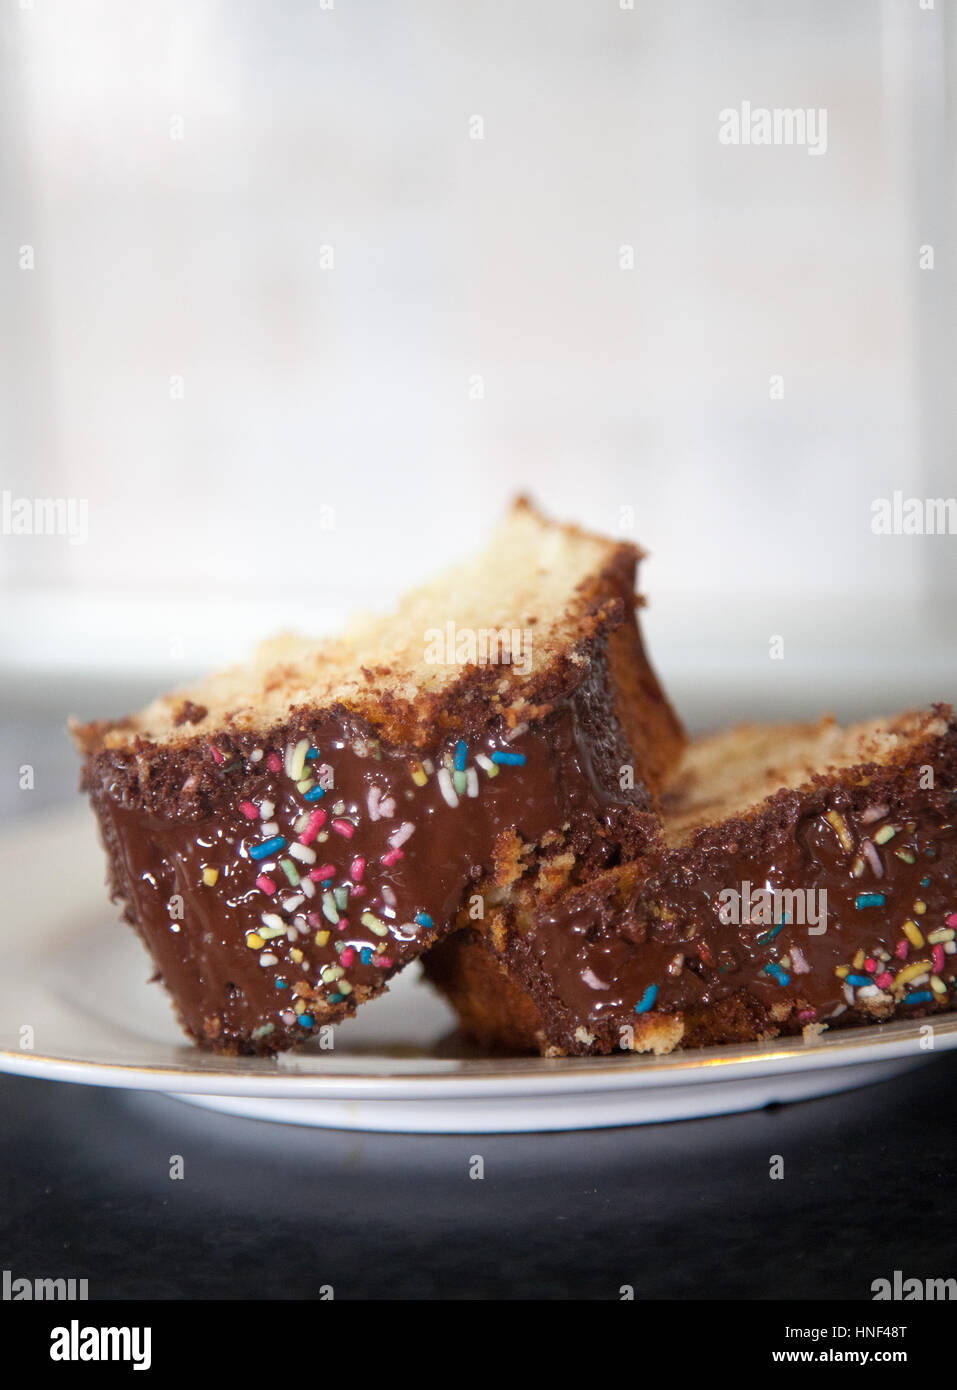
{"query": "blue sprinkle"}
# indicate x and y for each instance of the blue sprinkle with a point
(778, 973)
(282, 984)
(925, 883)
(423, 919)
(336, 998)
(648, 998)
(312, 755)
(870, 900)
(461, 752)
(315, 794)
(267, 848)
(306, 1020)
(767, 936)
(921, 996)
(509, 759)
(365, 955)
(858, 981)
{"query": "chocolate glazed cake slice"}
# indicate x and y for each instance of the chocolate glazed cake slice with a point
(807, 880)
(287, 835)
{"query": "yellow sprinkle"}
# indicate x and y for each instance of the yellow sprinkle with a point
(321, 938)
(840, 825)
(370, 920)
(858, 868)
(859, 960)
(886, 833)
(296, 955)
(940, 935)
(254, 940)
(913, 933)
(418, 775)
(330, 973)
(920, 906)
(910, 972)
(841, 971)
(937, 985)
(344, 987)
(210, 876)
(300, 1006)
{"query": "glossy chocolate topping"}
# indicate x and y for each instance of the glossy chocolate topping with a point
(864, 920)
(325, 860)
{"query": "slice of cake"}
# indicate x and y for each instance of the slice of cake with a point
(807, 879)
(288, 834)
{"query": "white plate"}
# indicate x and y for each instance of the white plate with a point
(77, 979)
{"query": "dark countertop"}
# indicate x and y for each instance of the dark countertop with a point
(685, 1210)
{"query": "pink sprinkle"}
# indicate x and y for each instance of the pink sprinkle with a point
(344, 827)
(806, 1014)
(901, 949)
(938, 959)
(382, 962)
(324, 871)
(347, 957)
(274, 762)
(357, 890)
(218, 757)
(250, 811)
(357, 868)
(884, 980)
(870, 965)
(316, 821)
(265, 885)
(392, 857)
(951, 920)
(312, 918)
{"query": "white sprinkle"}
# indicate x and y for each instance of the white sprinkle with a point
(303, 852)
(290, 904)
(272, 919)
(471, 781)
(269, 830)
(288, 1016)
(872, 814)
(256, 755)
(399, 837)
(516, 732)
(592, 980)
(387, 895)
(485, 764)
(446, 788)
(266, 810)
(798, 961)
(873, 858)
(868, 992)
(267, 958)
(429, 766)
(849, 993)
(372, 803)
(308, 887)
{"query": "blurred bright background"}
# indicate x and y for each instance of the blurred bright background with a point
(296, 295)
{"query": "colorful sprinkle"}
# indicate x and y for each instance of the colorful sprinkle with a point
(370, 920)
(344, 827)
(446, 788)
(486, 764)
(835, 819)
(250, 811)
(290, 870)
(870, 900)
(423, 919)
(315, 794)
(357, 868)
(779, 974)
(323, 872)
(913, 933)
(505, 759)
(920, 996)
(254, 941)
(267, 847)
(769, 935)
(461, 753)
(306, 1021)
(210, 876)
(265, 884)
(647, 1000)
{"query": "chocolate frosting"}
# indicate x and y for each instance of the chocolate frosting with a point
(278, 905)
